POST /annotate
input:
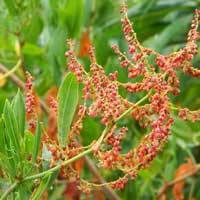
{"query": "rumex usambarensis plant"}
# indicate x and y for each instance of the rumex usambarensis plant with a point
(96, 95)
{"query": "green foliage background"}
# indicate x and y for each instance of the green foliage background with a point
(42, 26)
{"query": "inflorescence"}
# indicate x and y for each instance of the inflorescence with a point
(154, 110)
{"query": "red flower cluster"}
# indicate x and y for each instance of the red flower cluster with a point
(158, 80)
(30, 102)
(187, 114)
(108, 159)
(107, 103)
(30, 99)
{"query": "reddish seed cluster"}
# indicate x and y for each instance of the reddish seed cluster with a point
(86, 89)
(158, 80)
(186, 114)
(30, 103)
(119, 184)
(53, 104)
(152, 143)
(110, 158)
(134, 69)
(137, 70)
(81, 110)
(149, 82)
(60, 154)
(141, 114)
(107, 103)
(77, 125)
(113, 76)
(30, 99)
(84, 187)
(73, 65)
(182, 58)
(193, 33)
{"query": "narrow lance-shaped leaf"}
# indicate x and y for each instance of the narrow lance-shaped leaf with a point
(57, 192)
(11, 127)
(67, 103)
(2, 137)
(7, 160)
(41, 188)
(11, 160)
(19, 111)
(37, 140)
(46, 182)
(22, 192)
(29, 140)
(12, 139)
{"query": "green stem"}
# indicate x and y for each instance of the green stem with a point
(12, 70)
(98, 143)
(173, 107)
(9, 190)
(40, 175)
(58, 166)
(131, 108)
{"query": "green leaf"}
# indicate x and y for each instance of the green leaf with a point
(33, 30)
(160, 41)
(31, 49)
(91, 130)
(22, 192)
(67, 103)
(10, 4)
(42, 187)
(46, 182)
(37, 142)
(12, 140)
(7, 159)
(11, 127)
(19, 111)
(56, 52)
(27, 151)
(2, 137)
(29, 142)
(88, 6)
(74, 13)
(57, 192)
(103, 51)
(12, 162)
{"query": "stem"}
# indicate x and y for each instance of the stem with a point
(192, 189)
(131, 108)
(12, 70)
(58, 166)
(173, 107)
(9, 190)
(98, 143)
(177, 180)
(106, 188)
(49, 171)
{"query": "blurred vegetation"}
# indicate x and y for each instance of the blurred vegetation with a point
(39, 29)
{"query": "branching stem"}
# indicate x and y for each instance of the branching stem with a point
(131, 108)
(42, 174)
